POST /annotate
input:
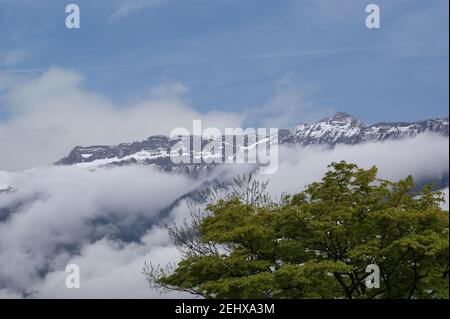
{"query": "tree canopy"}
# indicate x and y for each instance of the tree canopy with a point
(314, 244)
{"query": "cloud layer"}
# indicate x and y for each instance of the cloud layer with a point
(108, 221)
(425, 157)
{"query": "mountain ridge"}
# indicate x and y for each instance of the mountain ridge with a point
(342, 128)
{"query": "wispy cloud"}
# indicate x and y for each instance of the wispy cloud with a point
(54, 110)
(13, 57)
(316, 52)
(126, 7)
(112, 208)
(290, 105)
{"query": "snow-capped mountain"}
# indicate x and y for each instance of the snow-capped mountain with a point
(153, 151)
(341, 128)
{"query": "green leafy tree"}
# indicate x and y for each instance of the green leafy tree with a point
(315, 244)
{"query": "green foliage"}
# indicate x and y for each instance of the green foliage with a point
(315, 244)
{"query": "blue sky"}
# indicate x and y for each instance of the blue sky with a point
(236, 55)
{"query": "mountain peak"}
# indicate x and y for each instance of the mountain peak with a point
(342, 116)
(343, 119)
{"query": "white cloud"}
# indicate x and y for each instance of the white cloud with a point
(106, 221)
(110, 269)
(425, 156)
(9, 294)
(5, 180)
(51, 114)
(287, 108)
(126, 7)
